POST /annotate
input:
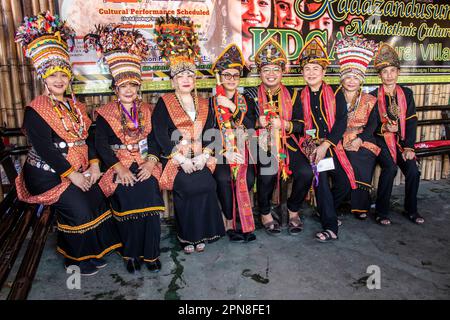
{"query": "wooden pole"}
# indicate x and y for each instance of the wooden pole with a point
(43, 5)
(8, 118)
(51, 6)
(12, 57)
(35, 7)
(25, 82)
(27, 7)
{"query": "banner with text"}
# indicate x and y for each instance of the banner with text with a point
(419, 30)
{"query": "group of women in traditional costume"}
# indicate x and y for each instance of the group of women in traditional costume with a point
(105, 187)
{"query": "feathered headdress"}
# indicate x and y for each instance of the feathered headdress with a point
(354, 55)
(122, 50)
(178, 43)
(47, 40)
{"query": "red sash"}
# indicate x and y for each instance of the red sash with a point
(77, 156)
(110, 112)
(192, 135)
(330, 110)
(240, 189)
(391, 137)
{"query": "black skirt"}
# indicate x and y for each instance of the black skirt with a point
(86, 229)
(137, 211)
(197, 209)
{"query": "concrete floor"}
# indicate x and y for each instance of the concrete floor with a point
(414, 262)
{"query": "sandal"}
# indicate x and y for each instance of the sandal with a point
(189, 249)
(327, 234)
(200, 247)
(416, 218)
(272, 228)
(383, 221)
(295, 226)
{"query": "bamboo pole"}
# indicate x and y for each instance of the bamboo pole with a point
(426, 130)
(25, 82)
(12, 57)
(43, 5)
(7, 106)
(376, 176)
(35, 7)
(27, 7)
(51, 6)
(446, 167)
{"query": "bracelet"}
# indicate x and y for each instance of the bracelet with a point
(152, 158)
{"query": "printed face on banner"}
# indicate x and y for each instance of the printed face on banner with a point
(418, 30)
(285, 15)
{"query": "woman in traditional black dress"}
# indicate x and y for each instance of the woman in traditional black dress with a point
(62, 168)
(125, 144)
(180, 121)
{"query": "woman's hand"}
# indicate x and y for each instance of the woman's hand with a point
(199, 162)
(226, 103)
(124, 175)
(276, 123)
(234, 157)
(262, 121)
(356, 143)
(80, 181)
(93, 173)
(392, 127)
(145, 170)
(187, 166)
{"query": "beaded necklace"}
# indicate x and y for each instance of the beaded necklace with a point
(76, 118)
(135, 117)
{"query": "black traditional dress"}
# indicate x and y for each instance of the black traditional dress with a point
(195, 200)
(136, 208)
(60, 145)
(361, 123)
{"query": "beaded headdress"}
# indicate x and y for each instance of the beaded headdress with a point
(123, 51)
(177, 42)
(354, 55)
(46, 39)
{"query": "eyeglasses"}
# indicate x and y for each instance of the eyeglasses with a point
(229, 76)
(271, 70)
